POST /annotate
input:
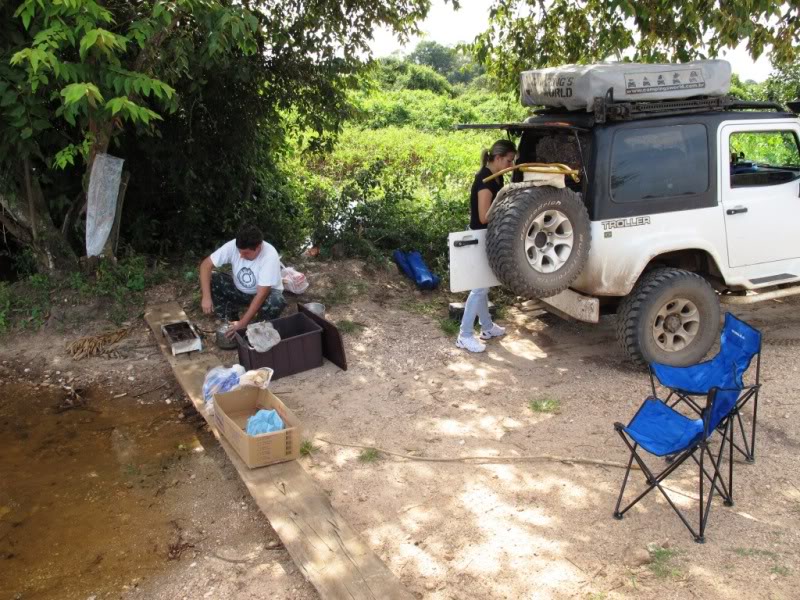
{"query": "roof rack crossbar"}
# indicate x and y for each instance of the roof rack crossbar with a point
(748, 104)
(606, 108)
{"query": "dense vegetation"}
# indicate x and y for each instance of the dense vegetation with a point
(400, 173)
(271, 112)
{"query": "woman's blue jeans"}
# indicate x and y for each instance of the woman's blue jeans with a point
(477, 306)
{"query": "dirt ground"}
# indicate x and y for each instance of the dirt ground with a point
(450, 530)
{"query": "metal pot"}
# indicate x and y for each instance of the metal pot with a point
(316, 307)
(223, 343)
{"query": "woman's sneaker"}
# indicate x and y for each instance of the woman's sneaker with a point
(470, 343)
(495, 331)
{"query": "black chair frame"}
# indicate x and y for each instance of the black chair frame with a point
(718, 483)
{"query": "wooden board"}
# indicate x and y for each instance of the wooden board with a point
(325, 548)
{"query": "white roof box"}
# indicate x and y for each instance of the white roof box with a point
(575, 87)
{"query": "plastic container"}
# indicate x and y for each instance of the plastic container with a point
(300, 348)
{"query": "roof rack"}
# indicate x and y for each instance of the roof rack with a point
(607, 109)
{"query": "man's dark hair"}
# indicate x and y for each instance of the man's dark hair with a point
(249, 237)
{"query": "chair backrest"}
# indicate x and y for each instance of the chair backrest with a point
(722, 403)
(739, 343)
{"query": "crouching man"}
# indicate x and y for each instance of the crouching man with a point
(254, 287)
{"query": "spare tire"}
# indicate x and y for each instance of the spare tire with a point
(538, 239)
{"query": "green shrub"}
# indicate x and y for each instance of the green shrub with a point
(347, 326)
(450, 326)
(118, 280)
(369, 455)
(25, 263)
(307, 448)
(77, 282)
(5, 307)
(397, 187)
(545, 405)
(428, 111)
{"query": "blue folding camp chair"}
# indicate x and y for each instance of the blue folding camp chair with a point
(662, 431)
(739, 344)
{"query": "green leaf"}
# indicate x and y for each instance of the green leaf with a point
(26, 133)
(8, 98)
(26, 20)
(87, 41)
(115, 105)
(75, 92)
(18, 57)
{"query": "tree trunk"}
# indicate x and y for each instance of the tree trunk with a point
(27, 218)
(110, 249)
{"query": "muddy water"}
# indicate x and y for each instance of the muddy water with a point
(82, 508)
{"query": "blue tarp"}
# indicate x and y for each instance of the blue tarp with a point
(412, 265)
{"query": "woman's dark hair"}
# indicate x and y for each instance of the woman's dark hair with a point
(249, 237)
(499, 148)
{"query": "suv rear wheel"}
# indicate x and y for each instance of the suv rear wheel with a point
(671, 316)
(538, 240)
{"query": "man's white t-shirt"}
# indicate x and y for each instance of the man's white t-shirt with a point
(264, 271)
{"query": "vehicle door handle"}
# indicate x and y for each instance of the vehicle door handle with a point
(736, 211)
(460, 243)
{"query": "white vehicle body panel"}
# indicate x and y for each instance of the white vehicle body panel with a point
(752, 250)
(768, 231)
(622, 248)
(469, 265)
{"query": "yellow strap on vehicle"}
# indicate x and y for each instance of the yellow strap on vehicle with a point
(549, 168)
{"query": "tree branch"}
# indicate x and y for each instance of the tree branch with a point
(29, 191)
(7, 220)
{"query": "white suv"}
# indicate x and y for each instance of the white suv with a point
(679, 205)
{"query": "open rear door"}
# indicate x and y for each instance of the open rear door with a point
(469, 265)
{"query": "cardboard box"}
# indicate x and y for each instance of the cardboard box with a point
(231, 411)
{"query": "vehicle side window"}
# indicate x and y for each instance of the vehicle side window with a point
(659, 162)
(760, 158)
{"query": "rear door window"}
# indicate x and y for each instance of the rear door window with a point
(659, 162)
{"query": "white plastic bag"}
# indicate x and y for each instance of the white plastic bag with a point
(101, 204)
(257, 377)
(218, 380)
(262, 336)
(293, 280)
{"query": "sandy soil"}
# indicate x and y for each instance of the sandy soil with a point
(454, 530)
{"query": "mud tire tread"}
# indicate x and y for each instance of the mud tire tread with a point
(630, 310)
(502, 240)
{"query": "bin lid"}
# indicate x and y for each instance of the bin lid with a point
(332, 346)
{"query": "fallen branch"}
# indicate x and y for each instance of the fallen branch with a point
(489, 459)
(95, 344)
(151, 390)
(236, 561)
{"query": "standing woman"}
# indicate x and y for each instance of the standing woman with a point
(499, 157)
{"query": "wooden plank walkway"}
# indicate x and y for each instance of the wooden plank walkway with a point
(325, 548)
